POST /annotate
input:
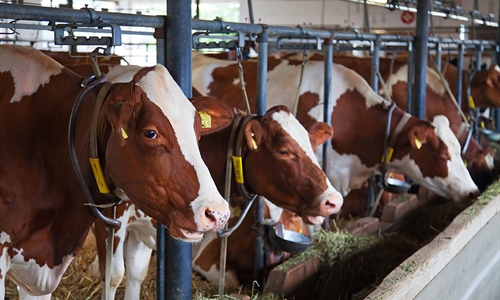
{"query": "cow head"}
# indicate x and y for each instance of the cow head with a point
(281, 164)
(434, 161)
(152, 155)
(491, 87)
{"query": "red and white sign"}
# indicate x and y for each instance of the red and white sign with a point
(407, 17)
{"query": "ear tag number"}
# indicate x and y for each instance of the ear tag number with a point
(206, 120)
(99, 175)
(238, 169)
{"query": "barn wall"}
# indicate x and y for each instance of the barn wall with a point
(338, 13)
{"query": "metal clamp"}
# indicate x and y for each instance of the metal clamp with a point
(225, 40)
(304, 42)
(60, 37)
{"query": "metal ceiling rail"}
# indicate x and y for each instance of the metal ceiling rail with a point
(17, 25)
(50, 14)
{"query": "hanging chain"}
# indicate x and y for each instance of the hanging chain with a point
(239, 58)
(297, 94)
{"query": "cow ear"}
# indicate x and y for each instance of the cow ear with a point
(215, 115)
(320, 132)
(253, 134)
(120, 114)
(493, 75)
(420, 135)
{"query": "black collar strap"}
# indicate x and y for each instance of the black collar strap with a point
(94, 155)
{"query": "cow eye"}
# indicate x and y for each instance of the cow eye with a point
(150, 134)
(283, 152)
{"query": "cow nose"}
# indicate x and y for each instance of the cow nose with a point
(332, 205)
(214, 217)
(474, 194)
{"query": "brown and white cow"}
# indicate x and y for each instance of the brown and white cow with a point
(291, 179)
(359, 117)
(280, 166)
(147, 134)
(394, 72)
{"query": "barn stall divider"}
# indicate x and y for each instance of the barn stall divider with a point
(174, 259)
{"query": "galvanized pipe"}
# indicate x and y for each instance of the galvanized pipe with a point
(161, 231)
(260, 110)
(409, 85)
(178, 61)
(439, 52)
(460, 64)
(374, 84)
(327, 94)
(421, 40)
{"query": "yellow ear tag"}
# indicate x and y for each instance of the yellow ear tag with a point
(482, 124)
(99, 175)
(124, 134)
(236, 211)
(471, 102)
(238, 169)
(390, 150)
(206, 120)
(418, 143)
(254, 143)
(465, 163)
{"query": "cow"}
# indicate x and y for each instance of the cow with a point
(146, 150)
(292, 180)
(427, 153)
(484, 86)
(394, 72)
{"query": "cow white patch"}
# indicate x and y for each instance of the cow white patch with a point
(347, 172)
(122, 73)
(29, 74)
(433, 80)
(292, 126)
(159, 86)
(35, 279)
(497, 68)
(274, 211)
(202, 68)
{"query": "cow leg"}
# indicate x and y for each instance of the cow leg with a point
(137, 259)
(23, 295)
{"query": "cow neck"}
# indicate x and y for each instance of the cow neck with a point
(390, 138)
(234, 153)
(73, 155)
(238, 156)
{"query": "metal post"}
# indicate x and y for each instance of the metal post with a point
(460, 64)
(421, 50)
(375, 64)
(328, 50)
(250, 12)
(374, 84)
(178, 61)
(161, 232)
(260, 109)
(409, 85)
(439, 52)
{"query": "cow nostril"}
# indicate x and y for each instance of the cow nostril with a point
(210, 215)
(474, 194)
